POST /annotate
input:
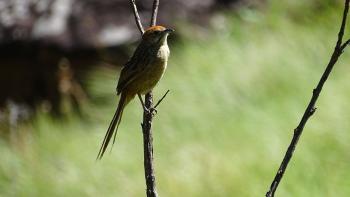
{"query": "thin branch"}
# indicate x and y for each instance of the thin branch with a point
(137, 16)
(160, 100)
(338, 50)
(147, 130)
(154, 13)
(148, 147)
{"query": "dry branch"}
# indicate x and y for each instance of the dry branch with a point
(160, 100)
(154, 13)
(147, 129)
(148, 114)
(148, 147)
(338, 50)
(137, 16)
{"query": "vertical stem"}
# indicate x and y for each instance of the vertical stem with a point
(148, 147)
(148, 115)
(147, 129)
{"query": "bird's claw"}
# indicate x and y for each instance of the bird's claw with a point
(154, 111)
(151, 110)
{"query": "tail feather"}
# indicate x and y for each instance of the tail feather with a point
(119, 120)
(113, 126)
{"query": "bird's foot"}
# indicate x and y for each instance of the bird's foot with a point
(151, 110)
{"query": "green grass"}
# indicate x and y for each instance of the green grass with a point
(237, 93)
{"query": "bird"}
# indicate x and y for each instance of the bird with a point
(140, 75)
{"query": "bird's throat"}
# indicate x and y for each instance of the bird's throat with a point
(163, 51)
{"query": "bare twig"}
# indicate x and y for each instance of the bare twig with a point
(137, 16)
(148, 117)
(147, 114)
(148, 147)
(160, 100)
(338, 50)
(154, 13)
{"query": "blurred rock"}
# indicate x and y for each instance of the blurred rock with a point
(46, 45)
(93, 23)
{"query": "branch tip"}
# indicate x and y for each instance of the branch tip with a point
(160, 100)
(137, 16)
(154, 13)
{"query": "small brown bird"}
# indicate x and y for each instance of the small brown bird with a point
(140, 74)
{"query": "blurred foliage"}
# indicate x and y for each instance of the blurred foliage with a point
(237, 92)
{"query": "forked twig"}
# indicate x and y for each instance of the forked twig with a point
(147, 129)
(343, 46)
(147, 115)
(338, 50)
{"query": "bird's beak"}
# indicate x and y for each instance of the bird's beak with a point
(169, 31)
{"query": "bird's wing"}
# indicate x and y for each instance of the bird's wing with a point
(133, 68)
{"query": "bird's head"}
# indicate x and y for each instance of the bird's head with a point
(156, 35)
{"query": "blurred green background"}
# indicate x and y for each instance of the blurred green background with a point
(238, 89)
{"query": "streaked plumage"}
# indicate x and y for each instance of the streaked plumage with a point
(140, 74)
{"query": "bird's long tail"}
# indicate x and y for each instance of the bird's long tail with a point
(113, 126)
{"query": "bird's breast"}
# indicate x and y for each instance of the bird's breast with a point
(155, 70)
(163, 52)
